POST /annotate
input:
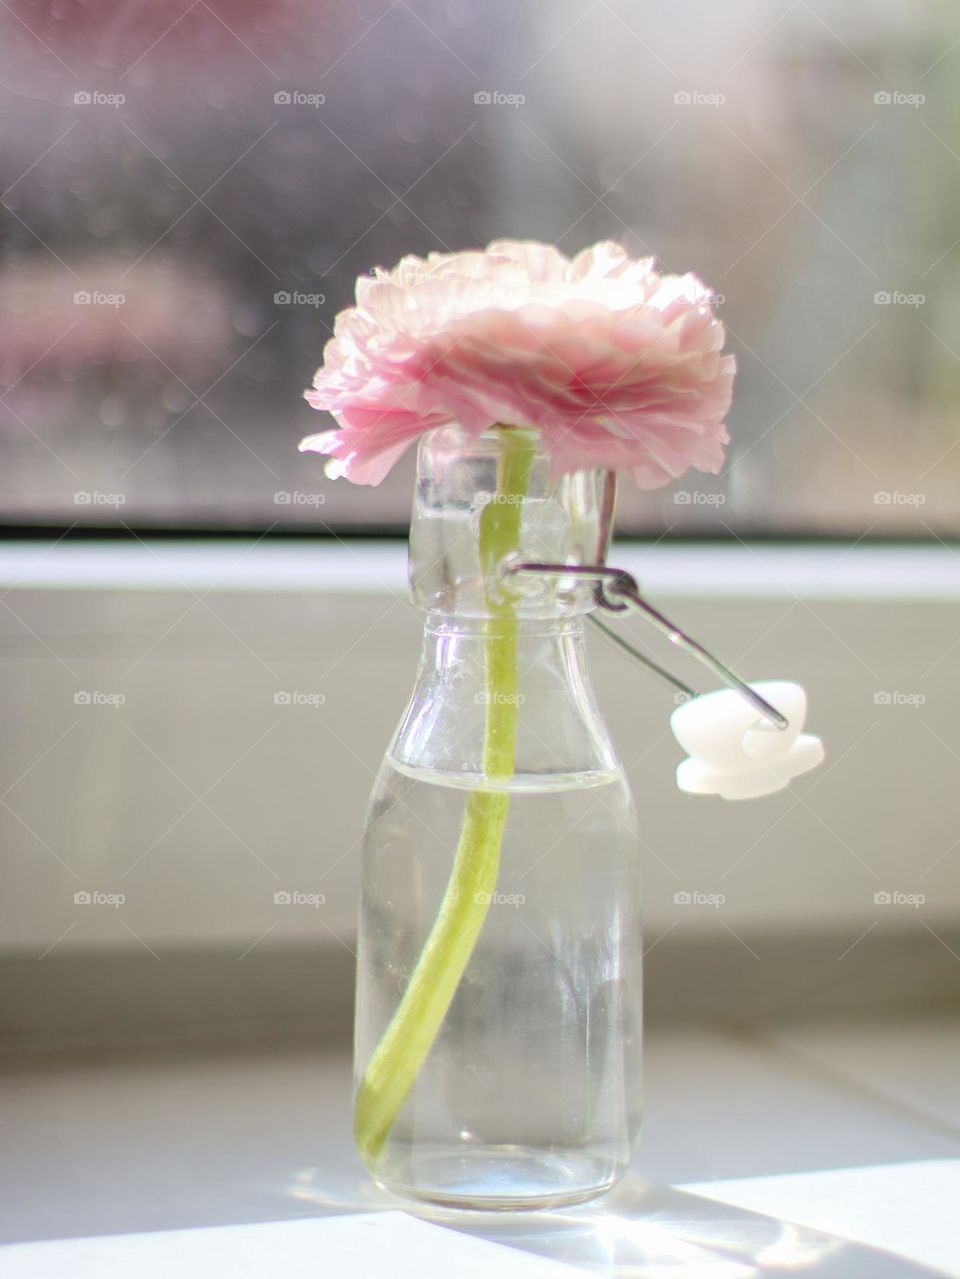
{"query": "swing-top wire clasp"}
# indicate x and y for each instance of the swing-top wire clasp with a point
(616, 591)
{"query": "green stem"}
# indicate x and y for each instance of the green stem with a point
(397, 1059)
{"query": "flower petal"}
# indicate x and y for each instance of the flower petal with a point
(615, 365)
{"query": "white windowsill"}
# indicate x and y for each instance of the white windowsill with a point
(708, 570)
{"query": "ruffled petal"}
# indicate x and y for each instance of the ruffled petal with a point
(616, 365)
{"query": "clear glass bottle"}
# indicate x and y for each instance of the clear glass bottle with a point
(498, 1013)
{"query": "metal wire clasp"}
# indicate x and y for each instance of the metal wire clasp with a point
(616, 591)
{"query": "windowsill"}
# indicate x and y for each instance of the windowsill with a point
(708, 570)
(847, 1130)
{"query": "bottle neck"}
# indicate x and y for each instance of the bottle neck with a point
(484, 502)
(558, 627)
(559, 734)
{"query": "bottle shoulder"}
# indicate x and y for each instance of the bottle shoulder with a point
(483, 700)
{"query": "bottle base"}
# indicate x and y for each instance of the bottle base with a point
(497, 1178)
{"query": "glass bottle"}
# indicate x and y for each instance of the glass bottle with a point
(498, 1004)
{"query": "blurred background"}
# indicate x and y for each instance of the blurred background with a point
(205, 643)
(190, 189)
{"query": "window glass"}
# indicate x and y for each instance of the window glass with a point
(191, 188)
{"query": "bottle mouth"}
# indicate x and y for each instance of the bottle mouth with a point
(484, 501)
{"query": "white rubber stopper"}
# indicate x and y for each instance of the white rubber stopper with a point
(736, 753)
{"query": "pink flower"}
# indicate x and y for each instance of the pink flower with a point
(616, 365)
